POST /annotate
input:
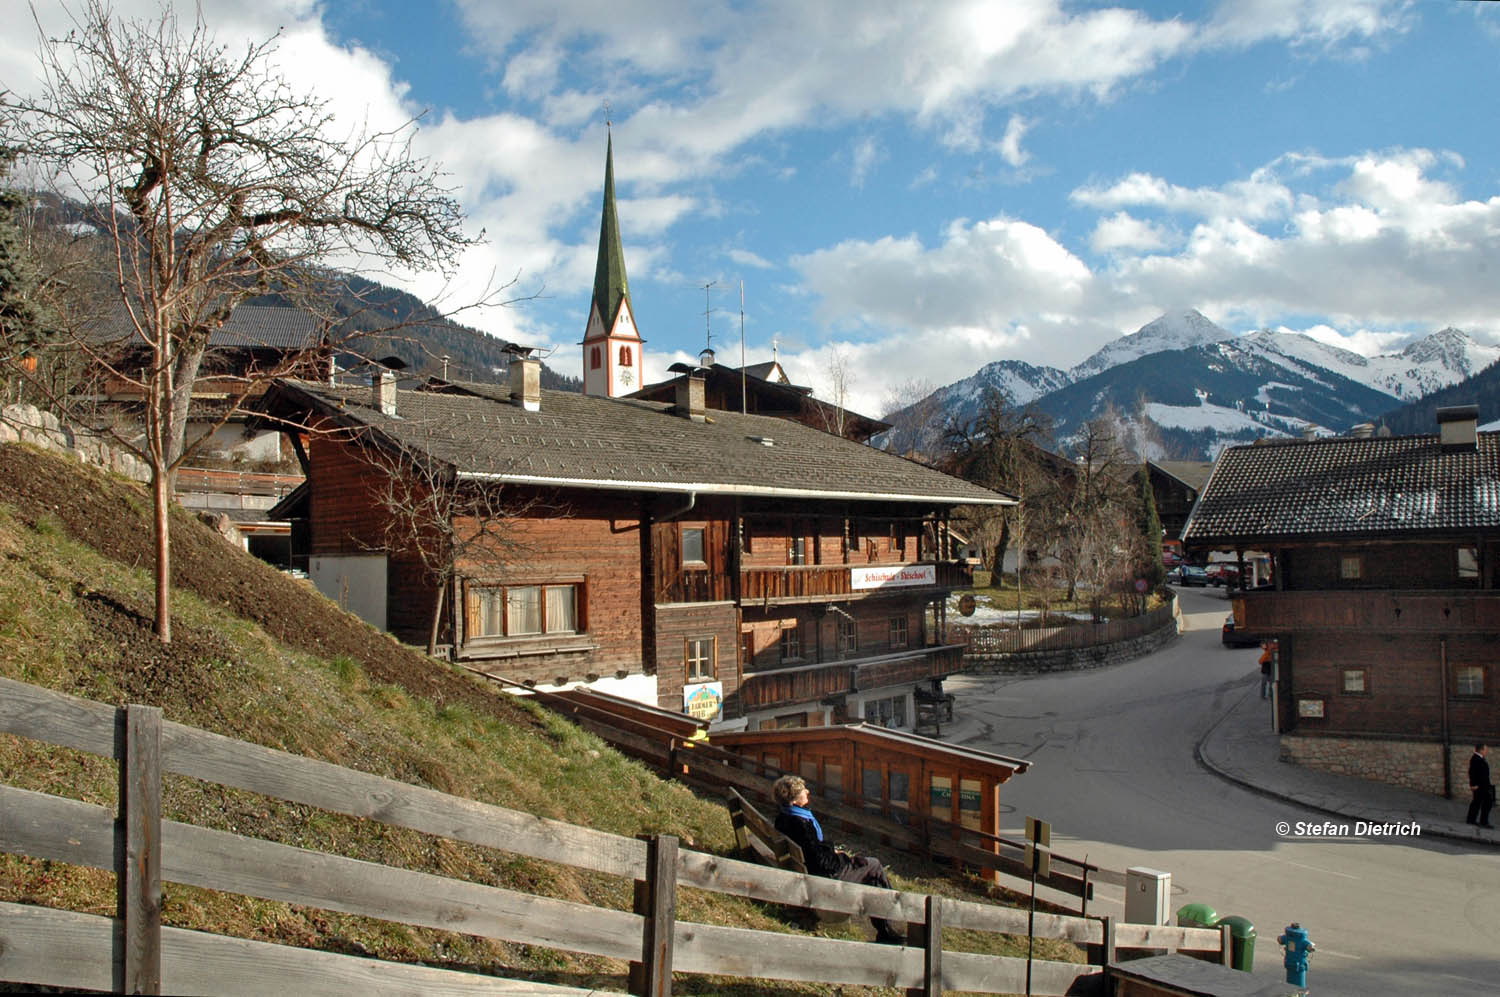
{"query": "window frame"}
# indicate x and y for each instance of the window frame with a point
(905, 633)
(1483, 673)
(796, 550)
(474, 595)
(595, 361)
(688, 658)
(847, 632)
(1364, 681)
(1346, 561)
(683, 529)
(791, 641)
(1466, 573)
(627, 358)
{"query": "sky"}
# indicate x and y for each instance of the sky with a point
(909, 191)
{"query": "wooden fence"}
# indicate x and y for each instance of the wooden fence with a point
(995, 639)
(134, 952)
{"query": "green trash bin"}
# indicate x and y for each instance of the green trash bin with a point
(1242, 936)
(1197, 916)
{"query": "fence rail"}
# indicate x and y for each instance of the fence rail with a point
(136, 953)
(983, 640)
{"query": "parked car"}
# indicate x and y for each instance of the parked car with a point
(1223, 573)
(1235, 637)
(1192, 574)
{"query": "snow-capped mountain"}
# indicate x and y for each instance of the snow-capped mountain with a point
(1186, 387)
(1176, 331)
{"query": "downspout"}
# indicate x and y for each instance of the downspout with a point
(692, 500)
(1447, 734)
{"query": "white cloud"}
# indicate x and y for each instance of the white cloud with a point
(1258, 197)
(866, 155)
(1326, 24)
(1121, 231)
(1010, 143)
(745, 258)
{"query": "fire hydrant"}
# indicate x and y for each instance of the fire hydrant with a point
(1297, 946)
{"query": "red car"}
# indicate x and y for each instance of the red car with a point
(1223, 573)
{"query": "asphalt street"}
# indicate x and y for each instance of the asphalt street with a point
(1115, 773)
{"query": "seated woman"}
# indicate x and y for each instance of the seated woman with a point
(797, 822)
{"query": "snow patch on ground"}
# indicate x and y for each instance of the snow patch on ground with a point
(1215, 417)
(986, 613)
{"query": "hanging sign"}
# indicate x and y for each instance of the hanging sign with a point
(704, 700)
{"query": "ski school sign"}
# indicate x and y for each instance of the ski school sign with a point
(892, 576)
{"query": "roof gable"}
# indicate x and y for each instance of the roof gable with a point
(1372, 487)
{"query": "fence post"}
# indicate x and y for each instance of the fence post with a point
(930, 937)
(1104, 954)
(138, 849)
(656, 901)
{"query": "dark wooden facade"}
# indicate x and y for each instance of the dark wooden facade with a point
(1402, 649)
(705, 594)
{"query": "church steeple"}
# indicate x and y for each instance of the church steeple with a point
(610, 283)
(611, 344)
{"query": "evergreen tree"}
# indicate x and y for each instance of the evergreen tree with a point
(21, 319)
(1149, 524)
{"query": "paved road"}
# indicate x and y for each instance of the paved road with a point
(1115, 774)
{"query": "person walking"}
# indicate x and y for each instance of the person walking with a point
(1479, 783)
(797, 822)
(1267, 663)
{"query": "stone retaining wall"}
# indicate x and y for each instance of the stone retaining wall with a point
(1072, 659)
(1412, 764)
(29, 424)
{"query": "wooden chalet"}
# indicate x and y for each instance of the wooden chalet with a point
(891, 773)
(753, 566)
(1386, 556)
(1175, 486)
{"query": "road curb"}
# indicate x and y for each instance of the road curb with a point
(1209, 765)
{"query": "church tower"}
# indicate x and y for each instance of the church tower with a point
(612, 361)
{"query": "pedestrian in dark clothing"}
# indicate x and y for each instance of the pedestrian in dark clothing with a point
(1479, 783)
(797, 822)
(1267, 664)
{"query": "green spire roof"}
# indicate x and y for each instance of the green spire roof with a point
(610, 285)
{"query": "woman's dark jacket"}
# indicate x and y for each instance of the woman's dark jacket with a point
(822, 858)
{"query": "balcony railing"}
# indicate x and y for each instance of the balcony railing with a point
(1405, 611)
(805, 683)
(813, 582)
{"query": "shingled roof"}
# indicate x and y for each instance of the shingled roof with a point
(583, 441)
(1348, 488)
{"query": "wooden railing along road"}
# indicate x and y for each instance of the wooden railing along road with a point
(987, 640)
(136, 953)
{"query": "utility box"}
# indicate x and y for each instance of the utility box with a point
(1148, 896)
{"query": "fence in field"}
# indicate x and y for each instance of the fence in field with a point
(134, 952)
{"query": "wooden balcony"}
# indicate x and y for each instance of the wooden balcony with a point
(806, 683)
(1389, 611)
(821, 582)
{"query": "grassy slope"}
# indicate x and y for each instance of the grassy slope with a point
(302, 676)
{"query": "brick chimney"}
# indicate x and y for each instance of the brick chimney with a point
(526, 382)
(1458, 427)
(690, 396)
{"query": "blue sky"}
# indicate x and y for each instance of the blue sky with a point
(920, 189)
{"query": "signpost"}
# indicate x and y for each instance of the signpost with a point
(1039, 858)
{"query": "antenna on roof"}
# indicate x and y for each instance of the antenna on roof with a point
(708, 308)
(742, 347)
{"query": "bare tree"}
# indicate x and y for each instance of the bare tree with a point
(215, 182)
(838, 382)
(1093, 534)
(443, 525)
(912, 409)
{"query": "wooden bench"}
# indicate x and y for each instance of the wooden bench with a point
(758, 841)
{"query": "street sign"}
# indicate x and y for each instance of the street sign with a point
(1039, 846)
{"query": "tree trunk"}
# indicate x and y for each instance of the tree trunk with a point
(161, 499)
(437, 617)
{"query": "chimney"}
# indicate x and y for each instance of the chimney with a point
(1363, 431)
(1309, 433)
(526, 382)
(706, 357)
(383, 390)
(1458, 427)
(690, 393)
